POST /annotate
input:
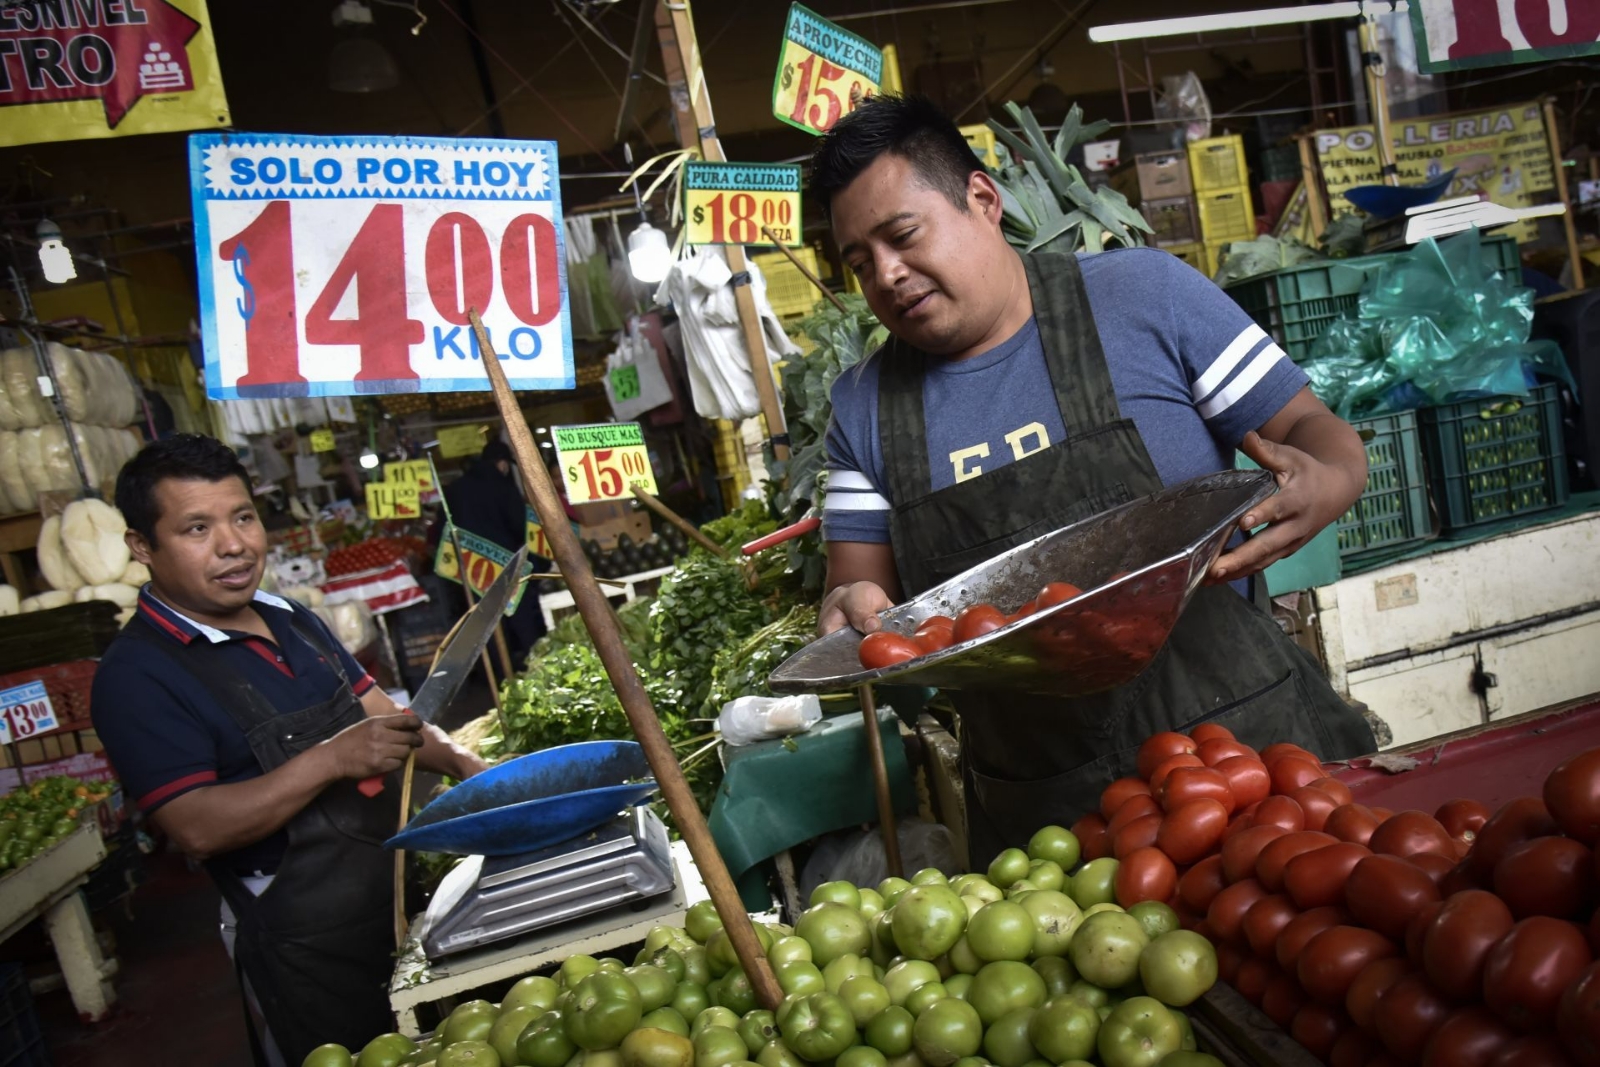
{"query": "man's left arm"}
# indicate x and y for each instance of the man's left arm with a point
(438, 753)
(1321, 468)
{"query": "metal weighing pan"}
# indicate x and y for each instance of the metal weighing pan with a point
(1139, 563)
(532, 801)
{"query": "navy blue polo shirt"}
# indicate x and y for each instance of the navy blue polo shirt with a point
(164, 732)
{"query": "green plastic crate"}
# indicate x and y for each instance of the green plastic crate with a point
(1298, 304)
(1393, 510)
(1496, 458)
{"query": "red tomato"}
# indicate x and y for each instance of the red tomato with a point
(1253, 978)
(1091, 834)
(1351, 822)
(1369, 986)
(1265, 921)
(884, 649)
(1210, 731)
(1593, 932)
(1117, 792)
(1158, 748)
(1330, 961)
(1416, 932)
(1247, 778)
(935, 640)
(1435, 866)
(1192, 831)
(1282, 1002)
(1022, 613)
(1470, 1038)
(1462, 819)
(976, 621)
(1292, 772)
(1317, 1028)
(1456, 944)
(1459, 879)
(1167, 766)
(1316, 879)
(1281, 811)
(1302, 928)
(1531, 967)
(1407, 1016)
(1201, 883)
(1192, 783)
(1409, 832)
(1532, 1052)
(1135, 835)
(1242, 820)
(1572, 793)
(1278, 852)
(1334, 788)
(1354, 1049)
(1517, 821)
(1228, 908)
(936, 622)
(1135, 807)
(1273, 753)
(1240, 852)
(1145, 874)
(1056, 593)
(1229, 959)
(1547, 876)
(1215, 751)
(1578, 1016)
(1316, 804)
(1384, 893)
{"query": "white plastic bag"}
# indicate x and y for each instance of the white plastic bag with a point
(635, 350)
(750, 719)
(19, 374)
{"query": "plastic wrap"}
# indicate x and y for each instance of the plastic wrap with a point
(21, 495)
(92, 536)
(70, 384)
(19, 373)
(10, 603)
(750, 719)
(54, 598)
(54, 563)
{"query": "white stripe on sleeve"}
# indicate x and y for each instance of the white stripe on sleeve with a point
(1247, 380)
(849, 501)
(1231, 357)
(843, 479)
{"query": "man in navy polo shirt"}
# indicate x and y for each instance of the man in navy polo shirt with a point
(243, 729)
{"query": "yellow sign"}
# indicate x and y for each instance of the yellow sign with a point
(455, 441)
(480, 558)
(824, 72)
(982, 140)
(603, 461)
(72, 71)
(741, 203)
(1501, 154)
(393, 500)
(538, 543)
(418, 472)
(322, 440)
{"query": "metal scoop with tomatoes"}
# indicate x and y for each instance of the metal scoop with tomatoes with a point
(1012, 624)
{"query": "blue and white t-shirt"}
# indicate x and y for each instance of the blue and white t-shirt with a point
(1190, 368)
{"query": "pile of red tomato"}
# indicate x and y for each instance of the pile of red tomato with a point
(885, 649)
(1456, 939)
(371, 554)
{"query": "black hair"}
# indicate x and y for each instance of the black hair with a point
(911, 127)
(186, 456)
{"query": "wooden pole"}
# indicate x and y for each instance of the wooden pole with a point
(1378, 100)
(602, 625)
(880, 783)
(681, 56)
(805, 270)
(1310, 177)
(690, 529)
(1554, 135)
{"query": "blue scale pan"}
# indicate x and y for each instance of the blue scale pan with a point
(533, 801)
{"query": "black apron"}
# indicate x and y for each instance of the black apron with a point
(317, 945)
(1029, 761)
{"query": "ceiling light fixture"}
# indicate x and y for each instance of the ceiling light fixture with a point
(357, 63)
(55, 258)
(1242, 20)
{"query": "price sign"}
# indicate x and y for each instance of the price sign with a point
(729, 203)
(457, 441)
(603, 461)
(538, 543)
(824, 72)
(322, 440)
(418, 472)
(480, 562)
(625, 382)
(25, 711)
(334, 266)
(394, 500)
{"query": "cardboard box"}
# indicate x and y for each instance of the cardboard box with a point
(1153, 176)
(607, 521)
(1174, 221)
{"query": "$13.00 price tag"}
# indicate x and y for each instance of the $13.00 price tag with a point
(25, 711)
(824, 72)
(603, 461)
(394, 500)
(741, 203)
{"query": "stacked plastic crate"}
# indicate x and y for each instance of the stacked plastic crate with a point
(1222, 195)
(1157, 183)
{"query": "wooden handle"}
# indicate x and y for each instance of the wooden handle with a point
(601, 622)
(880, 783)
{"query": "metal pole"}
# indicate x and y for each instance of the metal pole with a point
(603, 629)
(880, 783)
(805, 270)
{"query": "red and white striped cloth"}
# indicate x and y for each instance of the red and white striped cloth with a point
(383, 589)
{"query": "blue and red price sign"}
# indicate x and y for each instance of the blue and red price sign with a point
(347, 265)
(25, 711)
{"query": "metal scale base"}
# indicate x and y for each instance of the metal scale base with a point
(623, 862)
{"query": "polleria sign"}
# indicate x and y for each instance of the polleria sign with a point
(824, 72)
(347, 265)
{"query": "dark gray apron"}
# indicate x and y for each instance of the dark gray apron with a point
(1031, 760)
(318, 943)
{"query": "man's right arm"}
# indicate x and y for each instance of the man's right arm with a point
(862, 581)
(216, 819)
